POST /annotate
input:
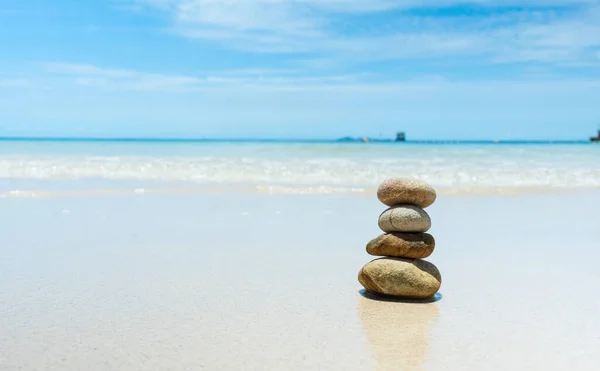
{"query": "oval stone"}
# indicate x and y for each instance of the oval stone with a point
(404, 278)
(402, 245)
(404, 218)
(398, 191)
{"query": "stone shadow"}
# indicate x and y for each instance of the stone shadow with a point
(392, 299)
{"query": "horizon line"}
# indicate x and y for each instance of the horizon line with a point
(341, 140)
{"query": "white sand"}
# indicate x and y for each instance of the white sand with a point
(246, 281)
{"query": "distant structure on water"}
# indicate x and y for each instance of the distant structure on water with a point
(400, 137)
(596, 138)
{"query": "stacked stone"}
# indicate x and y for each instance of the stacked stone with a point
(401, 272)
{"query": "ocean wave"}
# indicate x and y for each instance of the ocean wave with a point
(456, 170)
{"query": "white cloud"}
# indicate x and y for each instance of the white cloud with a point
(89, 70)
(569, 40)
(84, 74)
(532, 33)
(90, 75)
(237, 81)
(15, 83)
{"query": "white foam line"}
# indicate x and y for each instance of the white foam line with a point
(288, 190)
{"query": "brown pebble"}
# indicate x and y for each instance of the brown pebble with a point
(404, 278)
(402, 245)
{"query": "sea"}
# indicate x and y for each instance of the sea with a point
(295, 167)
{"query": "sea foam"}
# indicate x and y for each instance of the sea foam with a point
(319, 168)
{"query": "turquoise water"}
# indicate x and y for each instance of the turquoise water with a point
(326, 165)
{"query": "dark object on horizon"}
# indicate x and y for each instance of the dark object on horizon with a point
(596, 138)
(362, 140)
(400, 137)
(351, 139)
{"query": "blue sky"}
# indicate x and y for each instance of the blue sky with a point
(306, 68)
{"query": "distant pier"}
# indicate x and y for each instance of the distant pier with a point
(401, 138)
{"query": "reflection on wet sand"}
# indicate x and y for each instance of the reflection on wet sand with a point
(397, 332)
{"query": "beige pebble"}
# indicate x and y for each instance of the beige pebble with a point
(397, 191)
(405, 278)
(404, 218)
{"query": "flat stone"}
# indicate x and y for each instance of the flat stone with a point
(398, 191)
(404, 218)
(402, 245)
(403, 278)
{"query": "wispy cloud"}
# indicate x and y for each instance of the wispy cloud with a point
(83, 74)
(15, 83)
(499, 31)
(239, 80)
(90, 75)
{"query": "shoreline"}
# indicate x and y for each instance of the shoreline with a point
(39, 189)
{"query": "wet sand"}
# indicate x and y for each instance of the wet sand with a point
(239, 280)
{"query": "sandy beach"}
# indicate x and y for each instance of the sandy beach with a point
(239, 280)
(196, 185)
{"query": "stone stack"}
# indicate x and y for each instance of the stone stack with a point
(401, 272)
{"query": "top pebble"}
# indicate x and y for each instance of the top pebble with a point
(398, 191)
